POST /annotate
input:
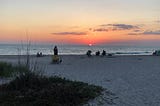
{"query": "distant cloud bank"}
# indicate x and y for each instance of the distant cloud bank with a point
(152, 32)
(133, 29)
(121, 26)
(100, 30)
(157, 32)
(70, 33)
(115, 27)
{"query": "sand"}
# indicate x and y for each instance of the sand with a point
(135, 80)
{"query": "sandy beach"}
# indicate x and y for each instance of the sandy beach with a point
(135, 80)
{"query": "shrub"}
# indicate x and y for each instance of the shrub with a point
(32, 89)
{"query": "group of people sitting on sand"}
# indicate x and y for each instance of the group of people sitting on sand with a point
(57, 59)
(97, 53)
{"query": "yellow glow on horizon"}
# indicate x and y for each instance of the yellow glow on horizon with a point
(40, 33)
(91, 38)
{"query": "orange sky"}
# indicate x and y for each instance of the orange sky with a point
(79, 22)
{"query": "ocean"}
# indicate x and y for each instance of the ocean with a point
(47, 49)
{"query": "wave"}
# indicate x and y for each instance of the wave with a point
(10, 49)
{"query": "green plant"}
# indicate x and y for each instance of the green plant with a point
(5, 69)
(30, 88)
(8, 70)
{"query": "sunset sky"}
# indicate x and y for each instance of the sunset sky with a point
(80, 21)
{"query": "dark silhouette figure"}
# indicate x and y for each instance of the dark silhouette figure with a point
(103, 53)
(155, 52)
(55, 50)
(56, 58)
(89, 53)
(97, 53)
(39, 54)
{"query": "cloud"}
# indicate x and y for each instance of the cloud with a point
(100, 30)
(132, 33)
(146, 33)
(124, 26)
(116, 27)
(69, 33)
(158, 21)
(152, 32)
(137, 30)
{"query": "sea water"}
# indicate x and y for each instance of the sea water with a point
(47, 49)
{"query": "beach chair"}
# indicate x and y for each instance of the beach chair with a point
(56, 59)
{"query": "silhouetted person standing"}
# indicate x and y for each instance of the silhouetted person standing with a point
(55, 50)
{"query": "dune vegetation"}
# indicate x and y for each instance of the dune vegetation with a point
(28, 88)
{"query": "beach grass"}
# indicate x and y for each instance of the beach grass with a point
(8, 70)
(29, 88)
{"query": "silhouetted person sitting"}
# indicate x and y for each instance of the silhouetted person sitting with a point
(103, 53)
(89, 53)
(55, 50)
(97, 53)
(155, 53)
(39, 54)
